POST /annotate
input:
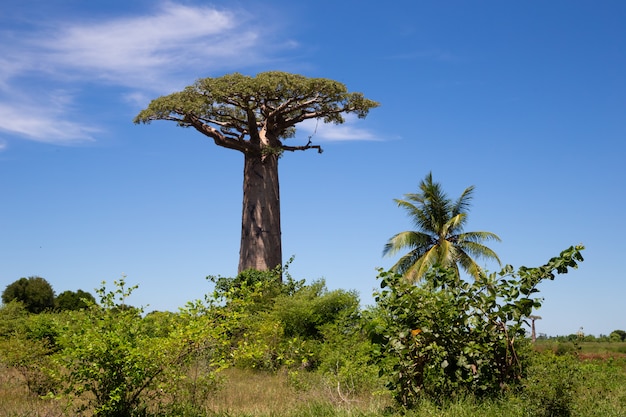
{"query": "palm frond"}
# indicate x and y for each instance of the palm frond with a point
(454, 225)
(439, 238)
(421, 265)
(462, 204)
(406, 240)
(478, 250)
(468, 264)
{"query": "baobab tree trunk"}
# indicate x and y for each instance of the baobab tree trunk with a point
(260, 223)
(533, 334)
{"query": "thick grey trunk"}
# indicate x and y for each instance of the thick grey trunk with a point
(260, 224)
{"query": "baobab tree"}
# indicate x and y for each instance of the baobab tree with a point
(533, 334)
(255, 116)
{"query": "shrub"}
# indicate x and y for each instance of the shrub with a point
(447, 337)
(110, 353)
(13, 316)
(550, 385)
(31, 358)
(26, 343)
(346, 357)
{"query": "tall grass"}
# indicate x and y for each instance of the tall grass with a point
(600, 392)
(17, 401)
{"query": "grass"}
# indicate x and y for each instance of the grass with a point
(588, 350)
(246, 392)
(601, 392)
(17, 401)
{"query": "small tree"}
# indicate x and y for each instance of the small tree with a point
(255, 116)
(446, 337)
(110, 353)
(34, 292)
(70, 300)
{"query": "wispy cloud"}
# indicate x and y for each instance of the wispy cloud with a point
(43, 122)
(329, 132)
(147, 54)
(146, 51)
(142, 55)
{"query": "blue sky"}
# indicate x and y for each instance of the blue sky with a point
(524, 100)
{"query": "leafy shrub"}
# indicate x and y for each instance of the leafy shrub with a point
(13, 316)
(26, 343)
(447, 337)
(564, 348)
(110, 353)
(275, 321)
(550, 385)
(347, 357)
(31, 358)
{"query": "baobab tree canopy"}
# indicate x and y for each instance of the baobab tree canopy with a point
(255, 115)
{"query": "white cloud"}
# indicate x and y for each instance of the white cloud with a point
(149, 54)
(146, 55)
(330, 132)
(44, 122)
(146, 51)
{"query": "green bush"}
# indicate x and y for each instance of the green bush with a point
(564, 348)
(31, 358)
(347, 357)
(13, 316)
(446, 338)
(550, 385)
(115, 357)
(26, 342)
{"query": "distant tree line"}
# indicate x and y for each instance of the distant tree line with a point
(615, 336)
(37, 296)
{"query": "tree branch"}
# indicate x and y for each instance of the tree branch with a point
(219, 137)
(303, 148)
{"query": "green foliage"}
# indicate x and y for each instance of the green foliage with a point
(253, 290)
(550, 385)
(276, 322)
(618, 336)
(70, 300)
(13, 317)
(448, 337)
(346, 358)
(110, 353)
(26, 342)
(439, 239)
(35, 293)
(31, 358)
(235, 102)
(307, 310)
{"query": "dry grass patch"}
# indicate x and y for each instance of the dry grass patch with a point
(17, 401)
(260, 393)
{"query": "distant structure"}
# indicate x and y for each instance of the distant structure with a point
(533, 334)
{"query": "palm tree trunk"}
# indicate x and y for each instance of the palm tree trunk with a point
(260, 222)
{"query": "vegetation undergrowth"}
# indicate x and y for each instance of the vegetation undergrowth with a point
(264, 344)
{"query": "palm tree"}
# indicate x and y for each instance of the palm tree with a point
(439, 238)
